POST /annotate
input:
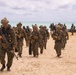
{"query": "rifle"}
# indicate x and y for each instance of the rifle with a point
(5, 40)
(16, 56)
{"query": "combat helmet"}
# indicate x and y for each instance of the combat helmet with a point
(4, 21)
(19, 24)
(35, 27)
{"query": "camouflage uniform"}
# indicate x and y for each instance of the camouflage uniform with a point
(35, 37)
(57, 36)
(65, 27)
(65, 37)
(48, 35)
(20, 35)
(43, 38)
(72, 29)
(9, 35)
(28, 32)
(45, 42)
(52, 27)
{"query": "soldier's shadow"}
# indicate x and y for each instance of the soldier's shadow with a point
(4, 72)
(57, 57)
(29, 57)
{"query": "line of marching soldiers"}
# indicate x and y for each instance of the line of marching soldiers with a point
(34, 38)
(11, 40)
(60, 35)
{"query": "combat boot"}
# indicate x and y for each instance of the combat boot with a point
(8, 69)
(20, 55)
(41, 51)
(3, 67)
(58, 55)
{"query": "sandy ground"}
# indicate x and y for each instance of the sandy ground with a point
(47, 63)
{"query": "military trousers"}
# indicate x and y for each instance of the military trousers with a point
(10, 57)
(57, 47)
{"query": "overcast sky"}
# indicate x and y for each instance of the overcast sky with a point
(38, 10)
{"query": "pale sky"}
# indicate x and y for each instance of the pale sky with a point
(38, 10)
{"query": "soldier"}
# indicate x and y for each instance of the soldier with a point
(43, 35)
(57, 36)
(65, 37)
(20, 35)
(35, 39)
(65, 26)
(8, 44)
(47, 36)
(72, 29)
(28, 32)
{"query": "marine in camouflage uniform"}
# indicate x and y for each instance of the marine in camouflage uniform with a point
(35, 40)
(8, 33)
(20, 35)
(46, 36)
(65, 27)
(28, 33)
(72, 29)
(57, 36)
(65, 37)
(43, 38)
